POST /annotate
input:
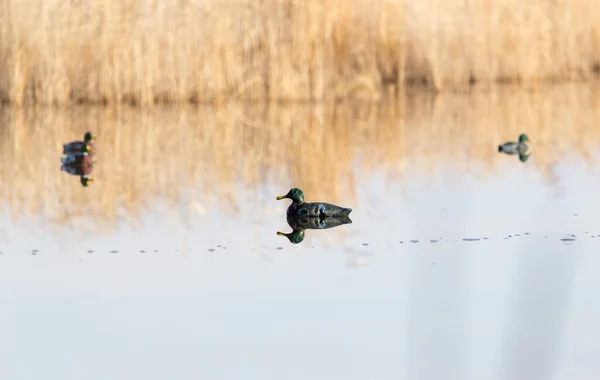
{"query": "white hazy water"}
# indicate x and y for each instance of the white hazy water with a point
(221, 296)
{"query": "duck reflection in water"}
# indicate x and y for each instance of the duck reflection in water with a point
(301, 223)
(80, 165)
(520, 148)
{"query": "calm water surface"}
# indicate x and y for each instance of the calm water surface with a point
(460, 263)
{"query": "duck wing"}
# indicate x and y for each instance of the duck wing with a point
(508, 148)
(329, 210)
(318, 209)
(72, 147)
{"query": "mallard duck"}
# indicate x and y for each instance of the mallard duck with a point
(80, 147)
(515, 147)
(300, 224)
(301, 208)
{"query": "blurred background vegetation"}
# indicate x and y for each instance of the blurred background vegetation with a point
(148, 51)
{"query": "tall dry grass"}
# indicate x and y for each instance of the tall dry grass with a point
(206, 158)
(148, 51)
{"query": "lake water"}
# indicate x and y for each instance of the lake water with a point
(460, 263)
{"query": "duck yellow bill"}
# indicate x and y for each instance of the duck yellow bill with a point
(280, 197)
(280, 233)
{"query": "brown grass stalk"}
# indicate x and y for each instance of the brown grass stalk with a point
(146, 52)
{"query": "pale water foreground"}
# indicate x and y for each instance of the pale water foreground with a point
(169, 266)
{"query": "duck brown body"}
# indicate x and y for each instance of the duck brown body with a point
(77, 165)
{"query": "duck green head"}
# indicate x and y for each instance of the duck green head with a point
(523, 138)
(86, 180)
(294, 237)
(295, 194)
(88, 137)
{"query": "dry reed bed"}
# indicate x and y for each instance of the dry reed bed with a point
(147, 51)
(203, 157)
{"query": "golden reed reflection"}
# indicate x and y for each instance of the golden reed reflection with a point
(199, 157)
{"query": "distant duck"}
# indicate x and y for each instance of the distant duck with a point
(80, 147)
(301, 208)
(520, 147)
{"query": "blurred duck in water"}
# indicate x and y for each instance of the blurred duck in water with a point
(81, 165)
(300, 208)
(76, 148)
(512, 147)
(520, 148)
